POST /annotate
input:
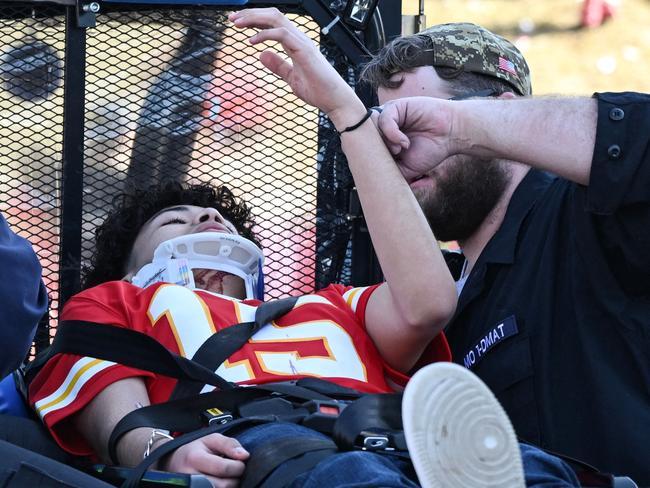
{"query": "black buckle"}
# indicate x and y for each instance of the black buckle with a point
(322, 414)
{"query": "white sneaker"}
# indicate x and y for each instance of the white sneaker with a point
(457, 433)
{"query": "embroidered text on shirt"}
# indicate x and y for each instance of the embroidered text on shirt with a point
(507, 328)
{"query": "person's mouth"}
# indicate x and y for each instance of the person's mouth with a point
(213, 227)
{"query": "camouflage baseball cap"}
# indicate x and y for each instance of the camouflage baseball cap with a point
(477, 50)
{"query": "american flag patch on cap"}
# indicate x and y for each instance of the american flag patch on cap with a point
(506, 65)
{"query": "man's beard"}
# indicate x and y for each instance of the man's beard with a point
(461, 196)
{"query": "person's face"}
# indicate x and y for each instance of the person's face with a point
(458, 194)
(173, 222)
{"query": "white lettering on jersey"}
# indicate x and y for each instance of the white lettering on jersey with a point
(191, 324)
(342, 360)
(188, 317)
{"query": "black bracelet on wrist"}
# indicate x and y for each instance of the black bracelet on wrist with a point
(357, 125)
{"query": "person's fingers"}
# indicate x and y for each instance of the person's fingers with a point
(374, 115)
(307, 72)
(206, 462)
(395, 149)
(228, 446)
(293, 41)
(261, 18)
(226, 468)
(387, 123)
(283, 35)
(276, 64)
(275, 26)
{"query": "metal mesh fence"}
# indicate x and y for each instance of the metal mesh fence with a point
(170, 93)
(32, 42)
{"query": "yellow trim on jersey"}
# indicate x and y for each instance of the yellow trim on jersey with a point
(352, 296)
(80, 373)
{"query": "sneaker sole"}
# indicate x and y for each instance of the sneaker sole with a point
(457, 433)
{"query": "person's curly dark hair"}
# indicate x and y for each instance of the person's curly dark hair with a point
(114, 238)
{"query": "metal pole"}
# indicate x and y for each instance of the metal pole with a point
(73, 154)
(420, 21)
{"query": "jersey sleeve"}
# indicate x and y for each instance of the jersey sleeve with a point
(357, 299)
(67, 382)
(437, 350)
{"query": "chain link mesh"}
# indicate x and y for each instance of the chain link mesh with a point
(32, 46)
(171, 93)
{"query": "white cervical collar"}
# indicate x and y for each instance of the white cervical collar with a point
(174, 260)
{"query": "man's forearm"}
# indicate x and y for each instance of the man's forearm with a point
(555, 134)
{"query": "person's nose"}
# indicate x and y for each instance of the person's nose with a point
(208, 214)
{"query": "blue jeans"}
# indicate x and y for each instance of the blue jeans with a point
(356, 469)
(545, 471)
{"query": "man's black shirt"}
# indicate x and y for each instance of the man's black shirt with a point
(555, 315)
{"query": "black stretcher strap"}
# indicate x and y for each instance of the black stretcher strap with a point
(329, 388)
(138, 350)
(382, 412)
(185, 414)
(267, 457)
(133, 480)
(220, 346)
(129, 348)
(295, 467)
(215, 347)
(379, 414)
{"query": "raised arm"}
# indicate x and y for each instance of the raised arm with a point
(552, 134)
(419, 295)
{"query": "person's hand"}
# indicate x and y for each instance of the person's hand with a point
(309, 74)
(217, 457)
(417, 132)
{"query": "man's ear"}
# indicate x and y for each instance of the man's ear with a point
(507, 96)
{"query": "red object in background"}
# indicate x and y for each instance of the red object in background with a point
(238, 98)
(595, 12)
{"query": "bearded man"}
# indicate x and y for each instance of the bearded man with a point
(554, 309)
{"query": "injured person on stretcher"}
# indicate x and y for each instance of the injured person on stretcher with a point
(178, 266)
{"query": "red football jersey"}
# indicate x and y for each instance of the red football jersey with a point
(322, 336)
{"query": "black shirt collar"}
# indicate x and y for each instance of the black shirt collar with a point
(501, 248)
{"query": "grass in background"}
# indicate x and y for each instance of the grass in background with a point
(563, 58)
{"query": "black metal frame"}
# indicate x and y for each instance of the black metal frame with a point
(73, 157)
